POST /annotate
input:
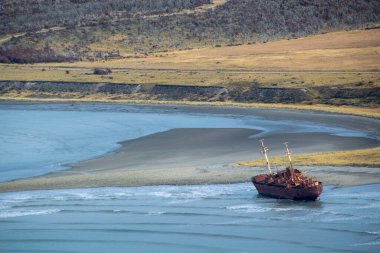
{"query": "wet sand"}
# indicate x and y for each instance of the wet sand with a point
(193, 148)
(199, 156)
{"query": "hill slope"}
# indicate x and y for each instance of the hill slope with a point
(32, 15)
(114, 29)
(341, 59)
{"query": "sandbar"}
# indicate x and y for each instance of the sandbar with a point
(202, 156)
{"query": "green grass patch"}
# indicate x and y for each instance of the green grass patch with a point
(360, 158)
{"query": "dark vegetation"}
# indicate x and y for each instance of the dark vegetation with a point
(236, 22)
(99, 71)
(336, 96)
(249, 21)
(32, 15)
(31, 55)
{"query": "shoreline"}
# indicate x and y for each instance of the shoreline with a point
(187, 156)
(335, 176)
(368, 112)
(370, 125)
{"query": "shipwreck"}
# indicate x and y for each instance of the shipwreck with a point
(286, 184)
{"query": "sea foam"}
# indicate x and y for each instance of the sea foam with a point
(18, 213)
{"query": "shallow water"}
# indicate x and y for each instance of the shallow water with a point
(209, 218)
(47, 137)
(39, 138)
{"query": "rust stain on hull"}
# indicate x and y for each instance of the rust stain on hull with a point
(282, 192)
(286, 184)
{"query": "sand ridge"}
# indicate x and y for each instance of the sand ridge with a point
(208, 155)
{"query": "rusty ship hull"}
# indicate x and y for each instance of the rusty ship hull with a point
(283, 192)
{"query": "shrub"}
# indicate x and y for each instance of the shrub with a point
(99, 71)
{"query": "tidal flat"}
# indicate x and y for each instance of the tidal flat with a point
(163, 178)
(74, 145)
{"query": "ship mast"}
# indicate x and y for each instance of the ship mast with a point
(288, 154)
(264, 150)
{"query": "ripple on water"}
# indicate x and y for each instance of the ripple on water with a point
(229, 218)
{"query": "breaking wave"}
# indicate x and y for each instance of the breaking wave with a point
(205, 214)
(18, 213)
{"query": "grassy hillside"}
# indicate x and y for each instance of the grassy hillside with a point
(348, 59)
(327, 49)
(117, 29)
(340, 51)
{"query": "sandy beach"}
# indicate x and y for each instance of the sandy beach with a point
(209, 155)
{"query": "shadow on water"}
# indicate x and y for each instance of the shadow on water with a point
(288, 203)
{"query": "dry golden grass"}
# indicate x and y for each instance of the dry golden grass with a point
(362, 157)
(338, 51)
(341, 58)
(211, 77)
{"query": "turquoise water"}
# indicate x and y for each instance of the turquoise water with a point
(36, 139)
(39, 138)
(209, 218)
